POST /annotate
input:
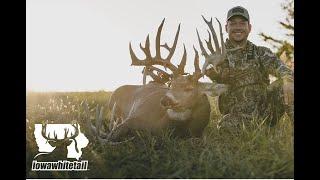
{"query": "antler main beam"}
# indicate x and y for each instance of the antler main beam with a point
(197, 72)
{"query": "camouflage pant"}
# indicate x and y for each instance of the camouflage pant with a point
(253, 103)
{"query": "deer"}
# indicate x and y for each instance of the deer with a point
(175, 99)
(60, 152)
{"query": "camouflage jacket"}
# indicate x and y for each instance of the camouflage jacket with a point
(246, 71)
(250, 65)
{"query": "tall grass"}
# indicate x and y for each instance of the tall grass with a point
(258, 151)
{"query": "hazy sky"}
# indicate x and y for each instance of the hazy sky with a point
(83, 45)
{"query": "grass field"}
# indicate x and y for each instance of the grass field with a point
(257, 152)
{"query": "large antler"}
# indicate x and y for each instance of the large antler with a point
(157, 59)
(66, 132)
(44, 133)
(116, 124)
(217, 56)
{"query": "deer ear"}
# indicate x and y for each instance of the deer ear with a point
(69, 142)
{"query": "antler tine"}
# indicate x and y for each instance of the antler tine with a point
(182, 62)
(112, 116)
(165, 46)
(174, 45)
(153, 76)
(223, 47)
(116, 125)
(97, 123)
(209, 44)
(55, 135)
(203, 51)
(197, 71)
(214, 35)
(76, 133)
(151, 68)
(156, 78)
(134, 59)
(144, 78)
(149, 71)
(171, 50)
(100, 116)
(146, 49)
(158, 56)
(73, 136)
(168, 48)
(157, 60)
(66, 131)
(164, 79)
(44, 132)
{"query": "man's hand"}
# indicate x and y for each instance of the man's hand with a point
(209, 71)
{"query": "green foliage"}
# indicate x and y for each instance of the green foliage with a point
(257, 152)
(284, 46)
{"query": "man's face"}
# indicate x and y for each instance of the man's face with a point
(238, 29)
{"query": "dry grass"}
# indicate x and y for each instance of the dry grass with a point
(258, 152)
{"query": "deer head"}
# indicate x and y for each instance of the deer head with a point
(183, 86)
(66, 141)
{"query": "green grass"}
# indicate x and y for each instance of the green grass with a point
(257, 152)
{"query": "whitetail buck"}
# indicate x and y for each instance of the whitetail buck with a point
(175, 100)
(60, 152)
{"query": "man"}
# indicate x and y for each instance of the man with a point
(247, 71)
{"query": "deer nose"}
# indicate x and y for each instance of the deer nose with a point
(168, 102)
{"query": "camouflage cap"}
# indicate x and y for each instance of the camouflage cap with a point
(238, 11)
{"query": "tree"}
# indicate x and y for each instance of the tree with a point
(285, 48)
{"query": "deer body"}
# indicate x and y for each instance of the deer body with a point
(148, 112)
(176, 100)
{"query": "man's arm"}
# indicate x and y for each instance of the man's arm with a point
(274, 65)
(277, 68)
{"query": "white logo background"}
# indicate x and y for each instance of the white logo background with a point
(43, 146)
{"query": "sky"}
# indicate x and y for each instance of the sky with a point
(83, 45)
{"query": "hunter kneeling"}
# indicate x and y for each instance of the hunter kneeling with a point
(246, 70)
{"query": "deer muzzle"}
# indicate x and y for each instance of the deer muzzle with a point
(174, 110)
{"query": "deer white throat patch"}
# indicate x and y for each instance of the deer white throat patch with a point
(179, 116)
